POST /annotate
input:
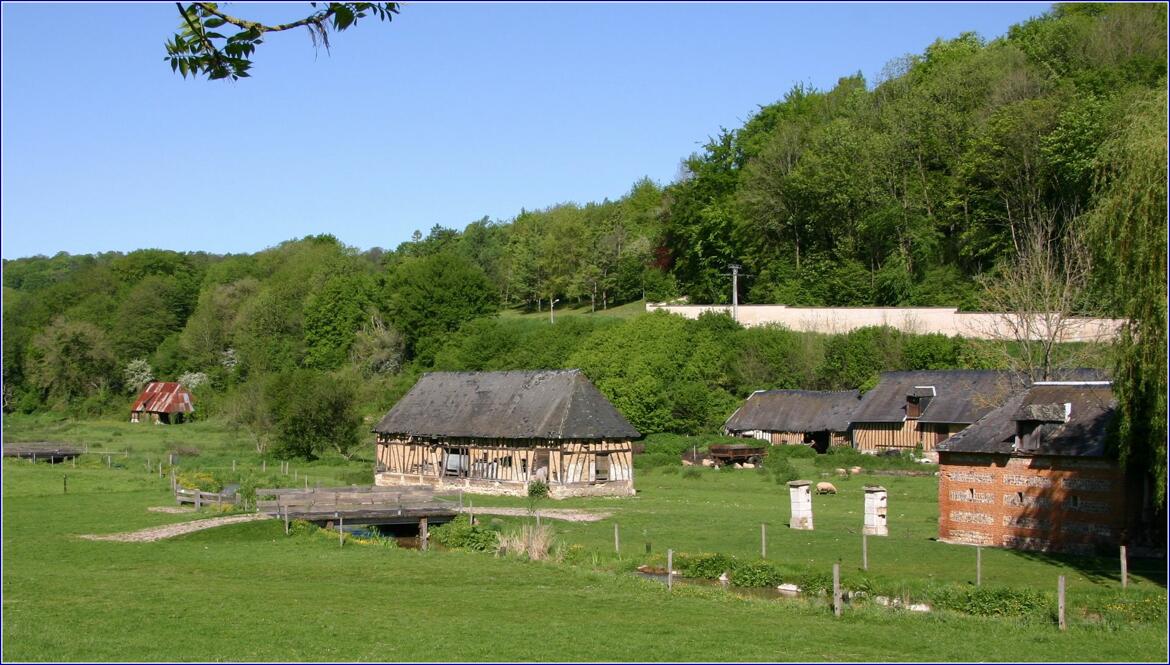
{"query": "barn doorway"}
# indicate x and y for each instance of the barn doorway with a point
(818, 440)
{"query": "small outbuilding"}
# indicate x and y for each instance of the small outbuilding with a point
(796, 417)
(162, 402)
(1034, 473)
(496, 432)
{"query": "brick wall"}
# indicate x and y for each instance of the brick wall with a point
(1044, 503)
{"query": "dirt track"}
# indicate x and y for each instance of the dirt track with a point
(550, 513)
(172, 530)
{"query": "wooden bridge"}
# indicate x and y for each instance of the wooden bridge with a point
(359, 505)
(41, 452)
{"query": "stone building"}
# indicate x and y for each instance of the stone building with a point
(495, 432)
(1033, 474)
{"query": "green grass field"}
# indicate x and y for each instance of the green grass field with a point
(248, 592)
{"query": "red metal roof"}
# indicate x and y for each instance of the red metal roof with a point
(164, 397)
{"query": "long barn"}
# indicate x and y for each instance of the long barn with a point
(796, 417)
(496, 432)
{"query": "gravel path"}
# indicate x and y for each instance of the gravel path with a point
(170, 510)
(550, 513)
(172, 530)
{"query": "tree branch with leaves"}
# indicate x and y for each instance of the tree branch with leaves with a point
(199, 48)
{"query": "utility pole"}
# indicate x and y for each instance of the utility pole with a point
(735, 290)
(551, 307)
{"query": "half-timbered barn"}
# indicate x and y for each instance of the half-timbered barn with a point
(1033, 473)
(162, 402)
(796, 417)
(922, 408)
(495, 432)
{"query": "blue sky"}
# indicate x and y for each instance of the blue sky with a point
(447, 114)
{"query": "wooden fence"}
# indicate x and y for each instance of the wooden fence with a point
(199, 498)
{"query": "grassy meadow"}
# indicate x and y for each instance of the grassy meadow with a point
(248, 592)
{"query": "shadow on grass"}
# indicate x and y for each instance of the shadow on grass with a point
(1102, 569)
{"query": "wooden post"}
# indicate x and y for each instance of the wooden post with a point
(978, 565)
(264, 465)
(197, 499)
(285, 520)
(669, 570)
(423, 536)
(1060, 602)
(460, 500)
(75, 461)
(470, 512)
(233, 466)
(1124, 569)
(617, 542)
(340, 530)
(864, 551)
(109, 461)
(763, 541)
(64, 484)
(837, 589)
(160, 475)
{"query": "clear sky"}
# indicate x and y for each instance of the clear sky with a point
(447, 114)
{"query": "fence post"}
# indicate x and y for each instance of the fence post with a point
(306, 482)
(617, 543)
(669, 570)
(264, 466)
(1060, 602)
(423, 535)
(1124, 569)
(978, 565)
(837, 589)
(864, 551)
(198, 496)
(763, 541)
(109, 461)
(64, 484)
(233, 466)
(340, 530)
(285, 514)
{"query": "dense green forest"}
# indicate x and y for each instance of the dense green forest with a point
(919, 189)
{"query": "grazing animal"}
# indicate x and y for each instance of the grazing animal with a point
(841, 472)
(826, 488)
(854, 470)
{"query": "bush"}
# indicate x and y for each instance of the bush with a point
(200, 480)
(755, 574)
(671, 470)
(705, 566)
(791, 452)
(815, 583)
(784, 472)
(460, 534)
(654, 460)
(988, 601)
(692, 473)
(537, 489)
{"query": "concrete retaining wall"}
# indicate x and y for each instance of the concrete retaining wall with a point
(921, 320)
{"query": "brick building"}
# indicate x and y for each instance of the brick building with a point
(1033, 474)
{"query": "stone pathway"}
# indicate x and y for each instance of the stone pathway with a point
(172, 530)
(170, 510)
(565, 514)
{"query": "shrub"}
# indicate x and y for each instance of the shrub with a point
(705, 566)
(200, 480)
(461, 534)
(784, 472)
(791, 452)
(692, 473)
(755, 574)
(530, 540)
(653, 460)
(815, 583)
(988, 601)
(537, 489)
(671, 470)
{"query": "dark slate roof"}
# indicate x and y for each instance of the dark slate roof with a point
(544, 404)
(795, 411)
(961, 395)
(1093, 406)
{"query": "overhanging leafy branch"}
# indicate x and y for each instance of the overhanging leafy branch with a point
(199, 49)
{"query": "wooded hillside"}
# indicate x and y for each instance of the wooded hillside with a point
(904, 191)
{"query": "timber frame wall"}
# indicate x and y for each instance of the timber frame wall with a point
(792, 438)
(907, 434)
(506, 466)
